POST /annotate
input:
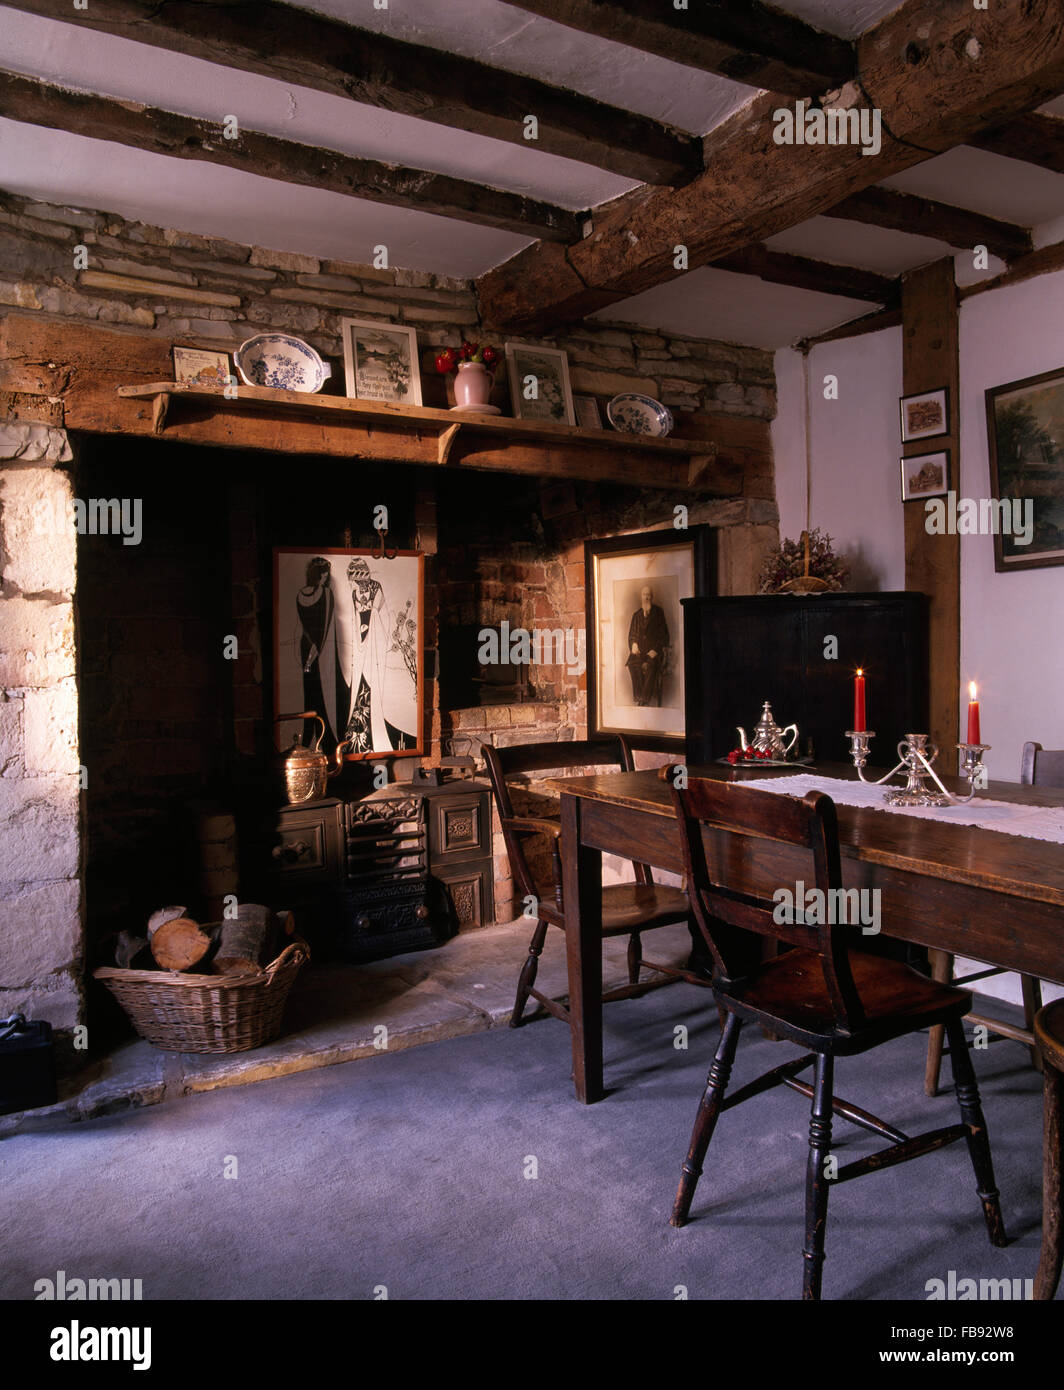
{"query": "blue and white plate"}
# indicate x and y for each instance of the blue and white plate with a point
(282, 362)
(635, 414)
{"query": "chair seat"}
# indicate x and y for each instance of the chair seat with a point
(790, 989)
(628, 907)
(1049, 1032)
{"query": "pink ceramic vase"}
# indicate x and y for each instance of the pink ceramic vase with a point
(472, 385)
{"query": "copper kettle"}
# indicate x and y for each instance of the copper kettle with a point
(307, 770)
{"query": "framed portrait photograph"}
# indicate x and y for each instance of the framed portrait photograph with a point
(924, 475)
(635, 649)
(924, 416)
(1025, 428)
(198, 367)
(381, 362)
(539, 384)
(348, 643)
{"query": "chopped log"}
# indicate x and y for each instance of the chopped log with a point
(241, 939)
(128, 947)
(179, 944)
(163, 915)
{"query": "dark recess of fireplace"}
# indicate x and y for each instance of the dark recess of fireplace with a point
(465, 681)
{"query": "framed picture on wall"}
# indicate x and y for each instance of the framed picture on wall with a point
(349, 643)
(539, 384)
(635, 650)
(925, 415)
(1025, 428)
(924, 475)
(381, 362)
(199, 367)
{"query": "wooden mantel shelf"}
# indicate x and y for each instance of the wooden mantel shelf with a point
(686, 463)
(106, 381)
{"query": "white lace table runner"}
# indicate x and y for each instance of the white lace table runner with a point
(1033, 822)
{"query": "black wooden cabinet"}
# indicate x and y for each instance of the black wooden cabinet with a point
(740, 652)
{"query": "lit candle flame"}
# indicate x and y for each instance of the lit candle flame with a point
(860, 671)
(971, 690)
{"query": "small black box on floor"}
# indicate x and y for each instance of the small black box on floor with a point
(27, 1065)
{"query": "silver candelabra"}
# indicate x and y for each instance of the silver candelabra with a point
(916, 758)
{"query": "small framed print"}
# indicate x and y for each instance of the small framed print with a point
(381, 362)
(539, 384)
(924, 416)
(197, 367)
(586, 410)
(924, 475)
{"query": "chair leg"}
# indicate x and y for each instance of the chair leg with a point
(816, 1183)
(1032, 1002)
(978, 1142)
(527, 977)
(706, 1119)
(1052, 1256)
(942, 972)
(635, 955)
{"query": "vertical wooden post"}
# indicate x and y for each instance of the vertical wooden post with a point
(932, 562)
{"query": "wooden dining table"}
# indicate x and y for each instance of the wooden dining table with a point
(981, 893)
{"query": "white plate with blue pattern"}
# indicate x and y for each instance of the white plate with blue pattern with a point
(281, 362)
(636, 414)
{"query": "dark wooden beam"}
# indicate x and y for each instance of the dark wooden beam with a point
(742, 39)
(856, 328)
(959, 227)
(932, 562)
(936, 71)
(311, 50)
(1040, 262)
(781, 268)
(1034, 138)
(163, 132)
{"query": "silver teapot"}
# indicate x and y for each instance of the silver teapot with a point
(768, 736)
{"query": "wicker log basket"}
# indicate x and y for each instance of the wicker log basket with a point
(181, 1012)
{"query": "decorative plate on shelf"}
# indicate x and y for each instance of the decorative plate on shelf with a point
(282, 362)
(635, 414)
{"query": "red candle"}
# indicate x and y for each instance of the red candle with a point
(858, 703)
(973, 715)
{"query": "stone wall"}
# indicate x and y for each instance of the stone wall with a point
(40, 853)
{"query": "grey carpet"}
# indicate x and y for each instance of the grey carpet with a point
(408, 1171)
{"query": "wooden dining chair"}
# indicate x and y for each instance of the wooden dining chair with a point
(1039, 767)
(1049, 1034)
(829, 999)
(628, 909)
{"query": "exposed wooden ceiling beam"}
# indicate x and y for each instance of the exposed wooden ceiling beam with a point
(1034, 138)
(781, 268)
(937, 71)
(311, 50)
(958, 227)
(742, 39)
(163, 132)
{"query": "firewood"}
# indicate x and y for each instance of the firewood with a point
(241, 939)
(128, 947)
(161, 915)
(179, 943)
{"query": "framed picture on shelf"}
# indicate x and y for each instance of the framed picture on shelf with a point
(198, 367)
(635, 647)
(539, 384)
(1025, 429)
(381, 361)
(348, 642)
(587, 414)
(924, 416)
(924, 475)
